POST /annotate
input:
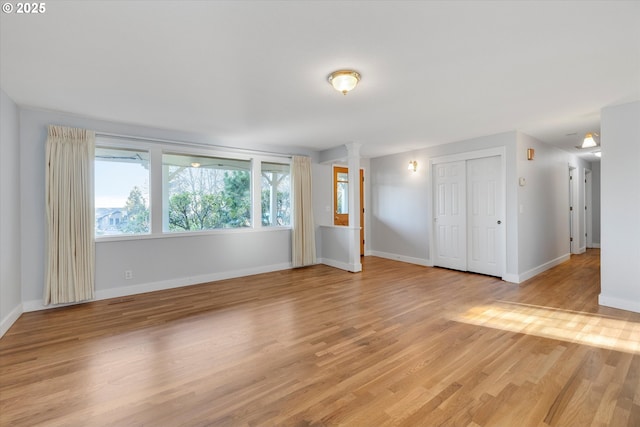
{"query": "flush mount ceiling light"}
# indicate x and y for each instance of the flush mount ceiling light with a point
(344, 80)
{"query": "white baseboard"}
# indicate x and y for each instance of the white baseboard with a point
(544, 267)
(511, 278)
(10, 319)
(354, 268)
(595, 246)
(618, 303)
(102, 294)
(407, 259)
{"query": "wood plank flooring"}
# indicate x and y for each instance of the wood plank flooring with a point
(395, 345)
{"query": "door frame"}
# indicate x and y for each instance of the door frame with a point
(339, 219)
(588, 205)
(471, 155)
(573, 205)
(344, 169)
(361, 210)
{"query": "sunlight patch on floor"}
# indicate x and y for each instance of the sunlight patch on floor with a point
(571, 326)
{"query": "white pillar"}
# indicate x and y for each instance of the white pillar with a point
(353, 163)
(620, 204)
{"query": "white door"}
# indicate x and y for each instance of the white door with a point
(450, 215)
(484, 221)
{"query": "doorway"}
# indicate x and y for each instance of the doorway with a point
(468, 215)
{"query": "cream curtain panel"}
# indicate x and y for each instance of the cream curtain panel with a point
(69, 275)
(303, 240)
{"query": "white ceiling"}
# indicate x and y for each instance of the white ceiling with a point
(253, 73)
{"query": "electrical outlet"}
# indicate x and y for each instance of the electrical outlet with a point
(128, 274)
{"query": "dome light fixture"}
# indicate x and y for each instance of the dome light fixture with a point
(344, 80)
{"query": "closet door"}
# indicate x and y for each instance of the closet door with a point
(484, 223)
(450, 215)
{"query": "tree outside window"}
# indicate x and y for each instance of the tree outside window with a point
(121, 192)
(206, 193)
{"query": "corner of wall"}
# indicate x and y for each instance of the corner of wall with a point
(10, 214)
(10, 319)
(618, 303)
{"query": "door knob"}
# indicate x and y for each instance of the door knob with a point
(499, 222)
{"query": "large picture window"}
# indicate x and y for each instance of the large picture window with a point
(191, 191)
(205, 193)
(276, 200)
(121, 192)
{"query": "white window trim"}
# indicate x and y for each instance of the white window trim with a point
(156, 187)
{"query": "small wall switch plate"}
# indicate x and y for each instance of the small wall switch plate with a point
(522, 181)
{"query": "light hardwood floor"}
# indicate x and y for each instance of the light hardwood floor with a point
(397, 344)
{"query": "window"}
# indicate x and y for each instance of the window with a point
(276, 207)
(195, 192)
(121, 191)
(205, 193)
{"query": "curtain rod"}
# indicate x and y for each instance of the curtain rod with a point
(196, 144)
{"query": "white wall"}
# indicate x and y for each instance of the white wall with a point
(400, 206)
(595, 203)
(156, 262)
(322, 177)
(335, 249)
(543, 206)
(10, 290)
(537, 236)
(620, 209)
(401, 211)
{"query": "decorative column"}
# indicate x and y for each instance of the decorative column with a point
(353, 163)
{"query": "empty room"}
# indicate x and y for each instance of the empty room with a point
(320, 213)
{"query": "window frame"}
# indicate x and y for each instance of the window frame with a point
(156, 149)
(260, 201)
(101, 144)
(222, 158)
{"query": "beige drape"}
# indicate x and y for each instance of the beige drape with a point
(70, 257)
(303, 241)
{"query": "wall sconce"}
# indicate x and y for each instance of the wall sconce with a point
(530, 153)
(413, 166)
